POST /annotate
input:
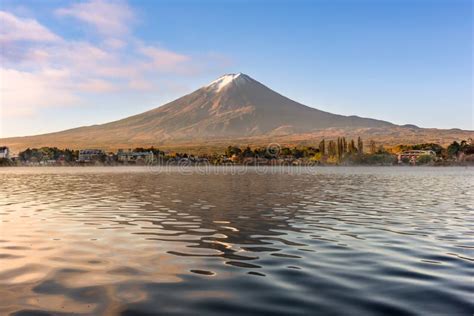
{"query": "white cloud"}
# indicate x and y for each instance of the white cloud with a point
(41, 70)
(38, 55)
(109, 18)
(97, 85)
(140, 84)
(81, 56)
(14, 28)
(24, 93)
(162, 59)
(115, 43)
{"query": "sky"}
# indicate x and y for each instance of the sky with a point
(66, 64)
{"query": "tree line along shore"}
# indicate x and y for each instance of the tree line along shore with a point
(327, 152)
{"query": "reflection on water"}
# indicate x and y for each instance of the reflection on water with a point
(129, 241)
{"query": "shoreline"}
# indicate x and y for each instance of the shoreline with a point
(197, 166)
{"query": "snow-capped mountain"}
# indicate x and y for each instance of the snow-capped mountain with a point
(220, 83)
(232, 107)
(235, 105)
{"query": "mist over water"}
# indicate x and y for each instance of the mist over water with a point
(329, 241)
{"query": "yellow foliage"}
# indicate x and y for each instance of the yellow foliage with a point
(332, 160)
(317, 157)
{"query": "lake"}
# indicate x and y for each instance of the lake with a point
(312, 241)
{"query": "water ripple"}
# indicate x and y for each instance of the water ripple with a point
(126, 241)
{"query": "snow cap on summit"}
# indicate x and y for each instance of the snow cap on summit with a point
(225, 80)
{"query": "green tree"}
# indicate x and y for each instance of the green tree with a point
(332, 151)
(454, 149)
(233, 150)
(338, 148)
(360, 145)
(424, 159)
(247, 152)
(352, 148)
(297, 153)
(285, 151)
(373, 148)
(322, 147)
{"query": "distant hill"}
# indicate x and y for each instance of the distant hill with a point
(234, 109)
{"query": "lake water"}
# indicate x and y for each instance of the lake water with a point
(321, 241)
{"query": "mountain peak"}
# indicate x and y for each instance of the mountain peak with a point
(223, 81)
(232, 107)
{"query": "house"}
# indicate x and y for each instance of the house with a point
(4, 152)
(90, 155)
(412, 155)
(48, 162)
(128, 156)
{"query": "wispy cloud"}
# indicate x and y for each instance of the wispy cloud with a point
(42, 69)
(14, 28)
(157, 59)
(115, 43)
(108, 18)
(22, 93)
(97, 85)
(163, 59)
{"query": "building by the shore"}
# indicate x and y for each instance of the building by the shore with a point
(412, 155)
(90, 155)
(4, 152)
(129, 156)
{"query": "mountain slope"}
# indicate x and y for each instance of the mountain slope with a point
(232, 107)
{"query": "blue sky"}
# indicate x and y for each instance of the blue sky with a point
(71, 63)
